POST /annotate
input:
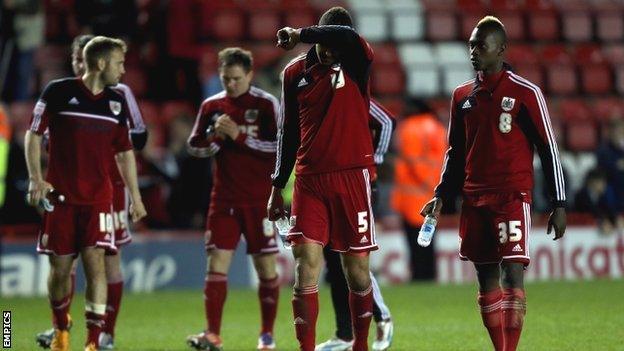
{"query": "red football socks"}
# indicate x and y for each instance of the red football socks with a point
(113, 301)
(268, 294)
(60, 310)
(361, 304)
(513, 311)
(305, 312)
(490, 303)
(215, 292)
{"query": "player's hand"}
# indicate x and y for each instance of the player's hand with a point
(37, 190)
(226, 126)
(275, 206)
(137, 210)
(434, 206)
(288, 38)
(557, 221)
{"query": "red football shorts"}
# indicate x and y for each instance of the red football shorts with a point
(70, 228)
(227, 223)
(334, 209)
(121, 203)
(495, 228)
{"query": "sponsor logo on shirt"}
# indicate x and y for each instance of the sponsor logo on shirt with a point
(507, 104)
(251, 115)
(115, 107)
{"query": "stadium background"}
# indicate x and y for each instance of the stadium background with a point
(573, 49)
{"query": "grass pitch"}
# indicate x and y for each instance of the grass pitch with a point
(561, 316)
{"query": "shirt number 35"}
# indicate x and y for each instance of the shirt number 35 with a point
(509, 231)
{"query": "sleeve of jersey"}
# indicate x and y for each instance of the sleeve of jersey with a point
(287, 134)
(453, 170)
(539, 131)
(41, 113)
(383, 123)
(263, 146)
(200, 144)
(122, 140)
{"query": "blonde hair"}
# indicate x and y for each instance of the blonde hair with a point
(101, 47)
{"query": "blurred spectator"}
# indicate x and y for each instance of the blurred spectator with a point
(22, 33)
(113, 18)
(611, 159)
(598, 198)
(420, 141)
(190, 190)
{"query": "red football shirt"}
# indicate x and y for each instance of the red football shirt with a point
(496, 123)
(243, 166)
(324, 123)
(86, 131)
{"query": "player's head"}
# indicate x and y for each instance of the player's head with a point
(487, 44)
(105, 56)
(235, 71)
(334, 16)
(78, 64)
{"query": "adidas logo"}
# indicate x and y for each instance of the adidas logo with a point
(299, 320)
(73, 101)
(466, 105)
(517, 248)
(365, 314)
(303, 82)
(363, 240)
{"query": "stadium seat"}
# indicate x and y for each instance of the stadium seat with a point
(518, 54)
(441, 25)
(543, 25)
(596, 79)
(407, 25)
(581, 136)
(531, 72)
(263, 24)
(452, 76)
(373, 25)
(150, 111)
(554, 54)
(386, 54)
(514, 24)
(387, 79)
(439, 5)
(227, 25)
(561, 79)
(300, 18)
(366, 5)
(451, 53)
(265, 54)
(136, 80)
(470, 6)
(420, 54)
(468, 21)
(577, 26)
(574, 110)
(422, 82)
(397, 6)
(587, 54)
(614, 53)
(619, 77)
(605, 109)
(610, 26)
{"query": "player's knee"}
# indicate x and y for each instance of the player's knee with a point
(358, 279)
(513, 275)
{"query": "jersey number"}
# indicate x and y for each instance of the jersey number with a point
(362, 222)
(511, 233)
(106, 222)
(504, 122)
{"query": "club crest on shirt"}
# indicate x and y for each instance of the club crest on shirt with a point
(115, 107)
(251, 115)
(507, 103)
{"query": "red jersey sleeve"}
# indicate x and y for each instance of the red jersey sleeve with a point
(201, 142)
(121, 140)
(43, 109)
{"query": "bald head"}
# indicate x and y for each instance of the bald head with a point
(488, 42)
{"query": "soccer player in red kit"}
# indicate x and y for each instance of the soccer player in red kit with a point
(87, 125)
(238, 128)
(497, 120)
(121, 236)
(324, 128)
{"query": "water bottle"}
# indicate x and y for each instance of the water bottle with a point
(51, 198)
(283, 227)
(426, 231)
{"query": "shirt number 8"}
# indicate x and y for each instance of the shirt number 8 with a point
(504, 122)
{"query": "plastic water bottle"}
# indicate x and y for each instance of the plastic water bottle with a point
(51, 198)
(426, 231)
(283, 227)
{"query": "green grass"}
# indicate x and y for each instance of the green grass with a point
(561, 316)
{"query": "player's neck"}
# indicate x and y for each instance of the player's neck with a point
(494, 69)
(93, 82)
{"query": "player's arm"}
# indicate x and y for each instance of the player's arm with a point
(138, 131)
(382, 122)
(203, 142)
(534, 121)
(288, 140)
(453, 171)
(127, 168)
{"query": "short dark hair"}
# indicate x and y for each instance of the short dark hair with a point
(101, 47)
(494, 24)
(81, 41)
(336, 16)
(236, 56)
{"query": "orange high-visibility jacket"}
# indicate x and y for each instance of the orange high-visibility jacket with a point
(420, 144)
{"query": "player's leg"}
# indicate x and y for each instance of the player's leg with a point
(268, 296)
(215, 289)
(356, 269)
(95, 295)
(114, 291)
(381, 315)
(343, 339)
(490, 302)
(59, 290)
(514, 303)
(308, 263)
